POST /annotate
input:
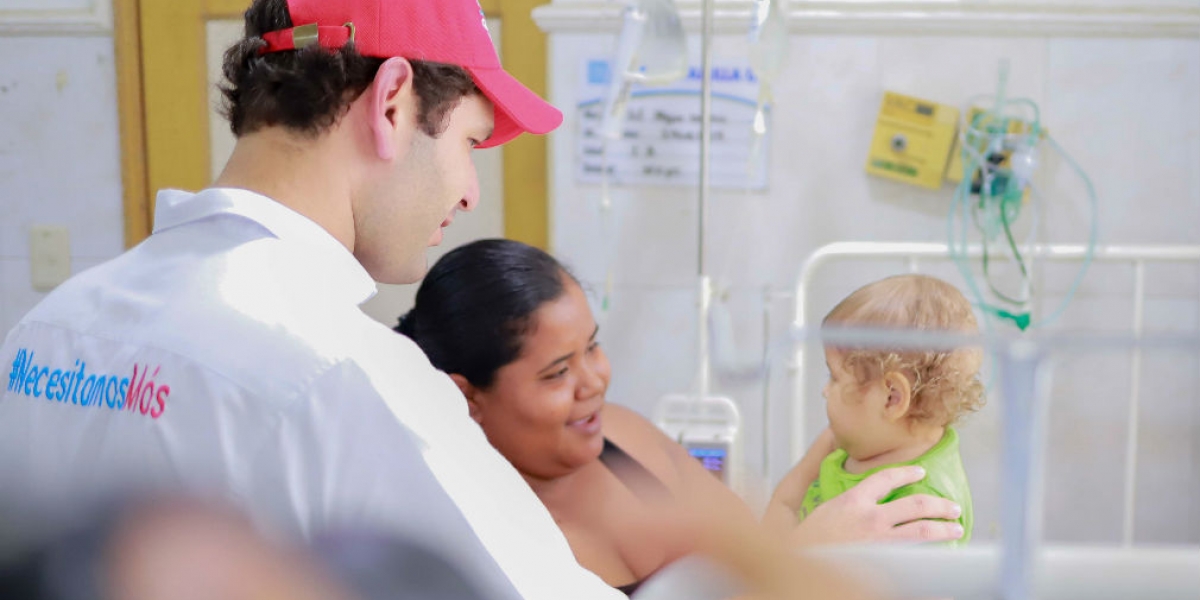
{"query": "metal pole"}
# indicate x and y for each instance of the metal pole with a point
(705, 130)
(1022, 373)
(1135, 386)
(705, 284)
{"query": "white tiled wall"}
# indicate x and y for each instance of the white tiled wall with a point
(59, 155)
(1127, 109)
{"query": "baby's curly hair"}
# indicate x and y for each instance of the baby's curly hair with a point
(945, 384)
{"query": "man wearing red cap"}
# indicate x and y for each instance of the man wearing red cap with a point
(227, 353)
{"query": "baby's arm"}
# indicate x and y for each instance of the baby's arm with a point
(785, 502)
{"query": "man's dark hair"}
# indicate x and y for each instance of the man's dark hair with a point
(477, 303)
(309, 89)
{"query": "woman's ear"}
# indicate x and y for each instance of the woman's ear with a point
(391, 105)
(472, 394)
(899, 395)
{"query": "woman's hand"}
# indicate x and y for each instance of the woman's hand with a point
(857, 516)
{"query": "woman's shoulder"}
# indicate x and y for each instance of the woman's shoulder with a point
(666, 459)
(642, 441)
(624, 419)
(625, 426)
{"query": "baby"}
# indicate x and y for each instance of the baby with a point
(890, 407)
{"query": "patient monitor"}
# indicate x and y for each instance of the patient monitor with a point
(706, 427)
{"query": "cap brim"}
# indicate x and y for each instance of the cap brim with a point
(517, 109)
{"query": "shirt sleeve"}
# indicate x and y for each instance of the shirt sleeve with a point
(365, 472)
(912, 489)
(414, 463)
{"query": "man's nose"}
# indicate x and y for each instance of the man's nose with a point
(471, 198)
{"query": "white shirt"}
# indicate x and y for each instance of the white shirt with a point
(228, 353)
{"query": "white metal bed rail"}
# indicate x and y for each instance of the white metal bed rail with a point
(915, 253)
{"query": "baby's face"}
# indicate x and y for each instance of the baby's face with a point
(850, 404)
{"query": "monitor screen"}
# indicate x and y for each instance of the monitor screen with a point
(712, 456)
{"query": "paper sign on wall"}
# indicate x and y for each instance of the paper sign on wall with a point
(660, 143)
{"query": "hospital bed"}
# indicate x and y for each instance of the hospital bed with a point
(1019, 566)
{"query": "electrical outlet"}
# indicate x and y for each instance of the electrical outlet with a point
(49, 256)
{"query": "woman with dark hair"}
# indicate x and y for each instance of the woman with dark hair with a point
(514, 331)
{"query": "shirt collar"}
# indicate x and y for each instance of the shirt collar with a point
(174, 208)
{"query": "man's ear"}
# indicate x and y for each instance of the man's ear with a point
(391, 106)
(899, 395)
(472, 394)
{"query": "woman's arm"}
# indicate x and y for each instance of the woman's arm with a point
(854, 516)
(785, 502)
(704, 516)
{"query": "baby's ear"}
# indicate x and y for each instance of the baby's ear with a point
(899, 395)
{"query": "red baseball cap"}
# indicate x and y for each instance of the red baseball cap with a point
(445, 31)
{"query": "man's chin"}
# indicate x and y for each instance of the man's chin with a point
(412, 272)
(436, 238)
